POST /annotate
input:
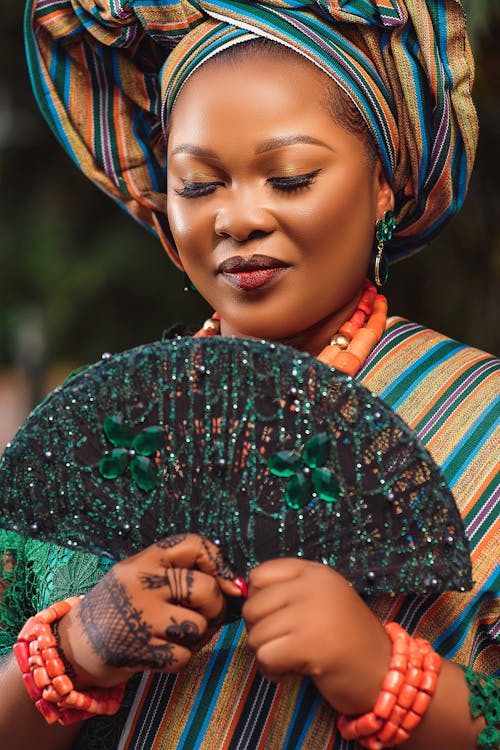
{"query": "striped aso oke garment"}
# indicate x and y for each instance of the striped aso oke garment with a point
(448, 393)
(106, 76)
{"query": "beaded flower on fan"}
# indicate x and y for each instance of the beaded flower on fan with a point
(131, 452)
(308, 476)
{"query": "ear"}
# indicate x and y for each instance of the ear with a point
(383, 193)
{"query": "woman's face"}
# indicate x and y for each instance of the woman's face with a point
(272, 204)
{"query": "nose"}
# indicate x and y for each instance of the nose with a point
(242, 218)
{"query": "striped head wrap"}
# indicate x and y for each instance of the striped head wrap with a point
(106, 74)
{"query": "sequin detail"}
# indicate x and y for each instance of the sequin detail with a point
(223, 407)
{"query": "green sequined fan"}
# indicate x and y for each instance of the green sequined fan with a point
(267, 451)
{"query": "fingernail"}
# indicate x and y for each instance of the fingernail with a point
(241, 584)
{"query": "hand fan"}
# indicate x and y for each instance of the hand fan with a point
(263, 449)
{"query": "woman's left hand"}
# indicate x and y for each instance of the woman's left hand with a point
(303, 618)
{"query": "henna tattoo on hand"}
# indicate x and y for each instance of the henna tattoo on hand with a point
(180, 582)
(222, 567)
(171, 541)
(153, 581)
(117, 631)
(185, 633)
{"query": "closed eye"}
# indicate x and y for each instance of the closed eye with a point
(197, 189)
(294, 182)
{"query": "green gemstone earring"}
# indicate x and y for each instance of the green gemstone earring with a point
(188, 284)
(384, 231)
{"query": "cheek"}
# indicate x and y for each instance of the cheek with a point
(179, 219)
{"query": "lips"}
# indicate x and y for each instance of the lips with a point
(253, 272)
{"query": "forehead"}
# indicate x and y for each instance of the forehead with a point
(253, 89)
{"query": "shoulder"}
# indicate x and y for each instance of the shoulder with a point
(415, 363)
(448, 393)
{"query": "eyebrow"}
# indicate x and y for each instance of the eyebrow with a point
(190, 148)
(270, 145)
(289, 140)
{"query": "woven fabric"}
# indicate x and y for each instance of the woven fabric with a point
(105, 78)
(448, 394)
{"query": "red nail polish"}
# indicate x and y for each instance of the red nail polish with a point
(242, 585)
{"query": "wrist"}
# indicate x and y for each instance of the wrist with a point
(406, 694)
(88, 670)
(44, 673)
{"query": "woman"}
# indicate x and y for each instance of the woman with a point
(274, 194)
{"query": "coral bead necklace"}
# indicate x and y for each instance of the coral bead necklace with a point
(349, 348)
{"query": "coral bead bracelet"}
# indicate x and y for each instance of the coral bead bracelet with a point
(44, 673)
(405, 696)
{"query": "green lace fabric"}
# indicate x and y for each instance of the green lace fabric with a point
(485, 701)
(34, 575)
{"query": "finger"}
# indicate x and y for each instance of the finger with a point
(266, 601)
(282, 658)
(271, 628)
(186, 587)
(196, 591)
(274, 571)
(195, 551)
(161, 656)
(185, 627)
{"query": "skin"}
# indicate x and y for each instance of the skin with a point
(324, 230)
(302, 618)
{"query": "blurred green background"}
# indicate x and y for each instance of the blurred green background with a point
(78, 277)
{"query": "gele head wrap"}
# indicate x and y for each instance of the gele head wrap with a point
(106, 75)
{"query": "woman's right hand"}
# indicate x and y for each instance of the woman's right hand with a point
(150, 611)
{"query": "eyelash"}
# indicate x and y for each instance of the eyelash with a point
(283, 184)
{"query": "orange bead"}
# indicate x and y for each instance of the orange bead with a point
(368, 724)
(34, 648)
(46, 640)
(421, 703)
(54, 667)
(400, 645)
(41, 677)
(59, 609)
(358, 318)
(398, 714)
(50, 653)
(62, 684)
(49, 712)
(347, 362)
(387, 732)
(399, 662)
(384, 705)
(21, 652)
(429, 682)
(400, 736)
(407, 696)
(36, 661)
(362, 343)
(410, 721)
(29, 630)
(393, 681)
(51, 695)
(347, 329)
(73, 699)
(346, 727)
(413, 676)
(432, 662)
